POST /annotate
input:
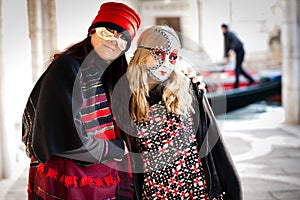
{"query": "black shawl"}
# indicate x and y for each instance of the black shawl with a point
(220, 172)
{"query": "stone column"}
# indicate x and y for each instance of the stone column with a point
(6, 155)
(195, 15)
(291, 61)
(200, 29)
(1, 94)
(49, 36)
(42, 33)
(35, 36)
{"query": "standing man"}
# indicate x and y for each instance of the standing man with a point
(233, 43)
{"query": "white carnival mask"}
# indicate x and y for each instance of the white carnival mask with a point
(165, 58)
(110, 34)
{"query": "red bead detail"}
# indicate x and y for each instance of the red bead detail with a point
(118, 180)
(109, 181)
(29, 190)
(75, 181)
(71, 181)
(99, 182)
(52, 174)
(41, 168)
(86, 181)
(62, 179)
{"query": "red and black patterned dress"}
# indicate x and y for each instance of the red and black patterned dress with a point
(172, 166)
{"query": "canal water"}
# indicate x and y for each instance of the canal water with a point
(259, 114)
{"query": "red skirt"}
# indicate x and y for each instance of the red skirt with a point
(62, 178)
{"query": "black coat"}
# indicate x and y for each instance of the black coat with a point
(231, 41)
(219, 167)
(220, 173)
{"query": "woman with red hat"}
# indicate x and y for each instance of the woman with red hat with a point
(75, 146)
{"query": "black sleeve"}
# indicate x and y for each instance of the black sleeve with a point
(233, 42)
(92, 151)
(58, 129)
(226, 47)
(230, 43)
(227, 173)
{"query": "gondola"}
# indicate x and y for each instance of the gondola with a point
(232, 99)
(219, 79)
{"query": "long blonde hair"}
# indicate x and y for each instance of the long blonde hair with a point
(177, 94)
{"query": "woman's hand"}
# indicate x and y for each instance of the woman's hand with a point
(125, 149)
(125, 152)
(191, 74)
(201, 85)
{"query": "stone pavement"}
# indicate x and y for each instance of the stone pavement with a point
(266, 154)
(265, 151)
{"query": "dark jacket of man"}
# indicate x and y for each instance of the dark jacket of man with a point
(231, 41)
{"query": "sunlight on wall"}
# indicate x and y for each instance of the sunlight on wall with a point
(252, 21)
(17, 76)
(17, 61)
(74, 18)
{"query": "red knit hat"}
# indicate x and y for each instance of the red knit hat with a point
(119, 17)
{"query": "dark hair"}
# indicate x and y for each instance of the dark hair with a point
(78, 50)
(224, 25)
(112, 73)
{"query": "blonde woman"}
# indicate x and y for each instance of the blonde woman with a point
(171, 124)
